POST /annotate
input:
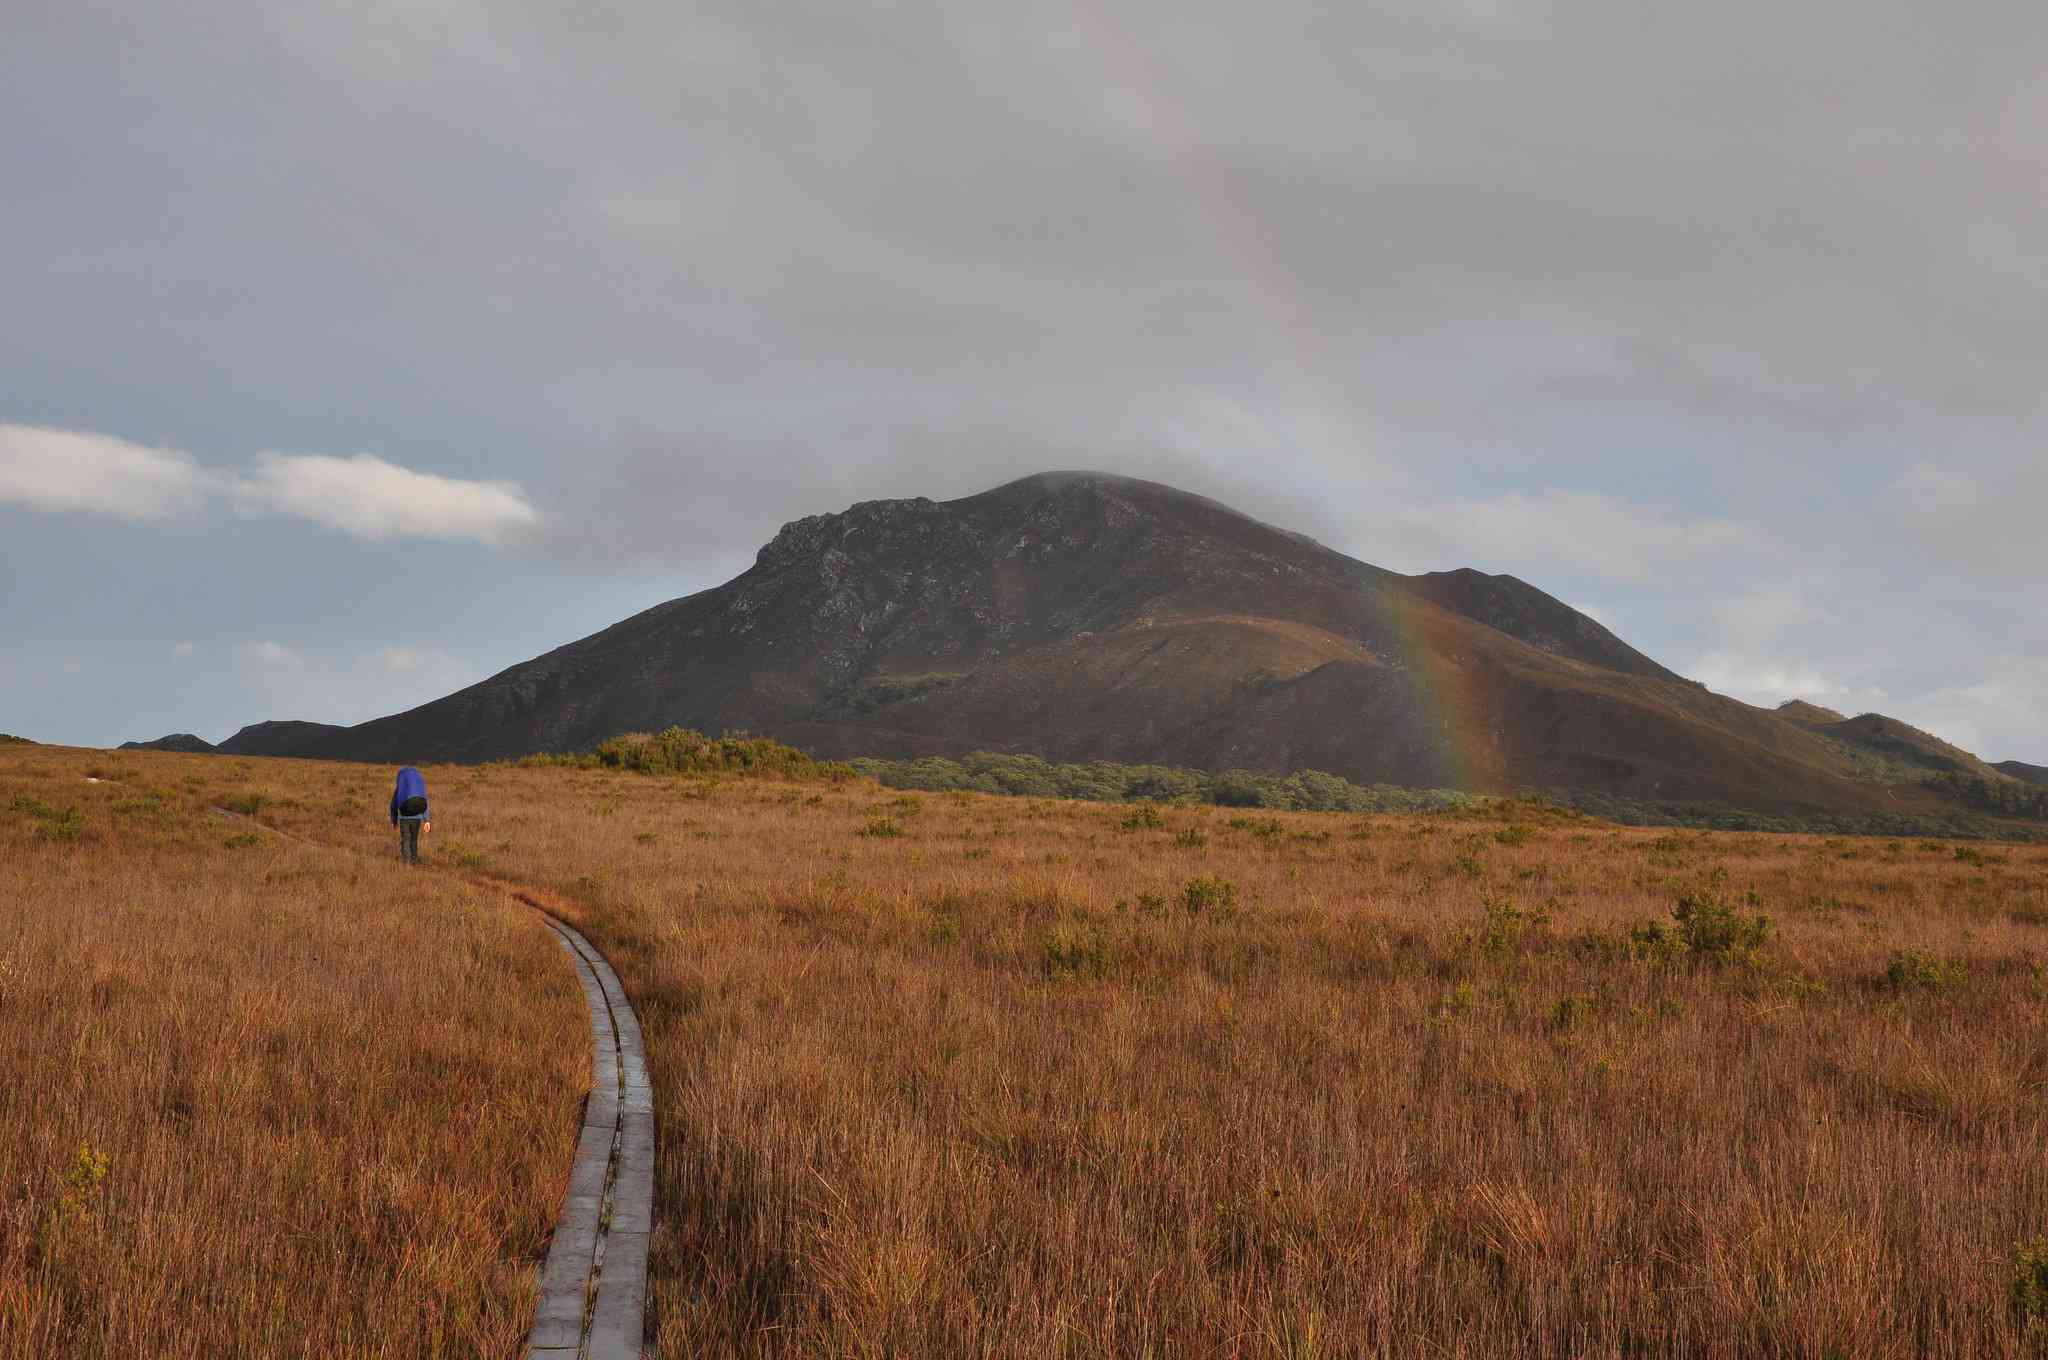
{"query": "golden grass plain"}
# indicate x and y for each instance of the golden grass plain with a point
(957, 1075)
(259, 1098)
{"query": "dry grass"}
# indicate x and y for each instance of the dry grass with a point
(262, 1099)
(1025, 1081)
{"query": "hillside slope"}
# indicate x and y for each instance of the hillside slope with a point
(1082, 616)
(2019, 769)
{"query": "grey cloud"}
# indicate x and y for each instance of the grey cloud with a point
(1982, 513)
(1426, 281)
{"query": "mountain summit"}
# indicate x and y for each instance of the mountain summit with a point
(1078, 615)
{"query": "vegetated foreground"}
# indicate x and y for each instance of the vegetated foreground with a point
(258, 1098)
(947, 1075)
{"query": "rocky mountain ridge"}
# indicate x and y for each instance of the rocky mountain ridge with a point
(1087, 616)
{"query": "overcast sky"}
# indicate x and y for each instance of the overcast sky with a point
(351, 353)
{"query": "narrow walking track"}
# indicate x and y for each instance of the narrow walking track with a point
(593, 1287)
(593, 1290)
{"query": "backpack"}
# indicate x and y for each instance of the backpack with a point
(412, 807)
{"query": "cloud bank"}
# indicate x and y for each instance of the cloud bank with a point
(71, 470)
(364, 496)
(373, 499)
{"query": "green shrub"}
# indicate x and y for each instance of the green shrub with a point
(679, 750)
(1513, 835)
(1716, 932)
(1569, 1012)
(1912, 970)
(1191, 839)
(248, 804)
(1101, 781)
(1506, 927)
(55, 823)
(2029, 1291)
(1214, 896)
(1655, 942)
(1143, 817)
(882, 828)
(1075, 950)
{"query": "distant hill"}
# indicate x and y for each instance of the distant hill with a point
(176, 741)
(7, 740)
(1080, 616)
(2019, 769)
(1915, 753)
(1808, 715)
(280, 738)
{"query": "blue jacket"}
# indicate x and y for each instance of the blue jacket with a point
(410, 785)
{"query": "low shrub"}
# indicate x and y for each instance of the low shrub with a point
(1213, 896)
(54, 823)
(1073, 950)
(1911, 970)
(1718, 933)
(1570, 1011)
(2028, 1293)
(679, 750)
(1506, 927)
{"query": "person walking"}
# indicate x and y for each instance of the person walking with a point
(409, 813)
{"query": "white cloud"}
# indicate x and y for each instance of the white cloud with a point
(1998, 716)
(1770, 681)
(269, 654)
(76, 470)
(1583, 530)
(401, 660)
(371, 498)
(183, 649)
(72, 470)
(280, 681)
(1759, 617)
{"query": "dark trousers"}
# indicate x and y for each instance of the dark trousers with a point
(409, 839)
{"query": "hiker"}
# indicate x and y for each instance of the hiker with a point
(409, 813)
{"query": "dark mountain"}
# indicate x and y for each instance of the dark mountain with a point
(281, 738)
(2019, 769)
(177, 741)
(1082, 616)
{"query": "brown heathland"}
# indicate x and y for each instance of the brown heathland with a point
(960, 1075)
(259, 1098)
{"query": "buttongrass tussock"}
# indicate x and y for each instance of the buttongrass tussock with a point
(259, 1098)
(1040, 1078)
